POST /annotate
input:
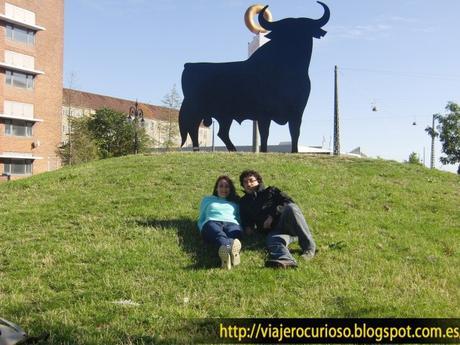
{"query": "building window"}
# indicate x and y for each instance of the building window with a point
(18, 109)
(18, 128)
(18, 79)
(22, 35)
(77, 112)
(17, 166)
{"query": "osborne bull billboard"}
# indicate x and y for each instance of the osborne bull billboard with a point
(271, 85)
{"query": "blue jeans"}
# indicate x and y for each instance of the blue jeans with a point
(220, 233)
(291, 227)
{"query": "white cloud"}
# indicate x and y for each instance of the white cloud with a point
(425, 30)
(403, 19)
(361, 31)
(124, 7)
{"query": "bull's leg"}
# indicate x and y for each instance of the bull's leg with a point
(264, 130)
(294, 129)
(224, 130)
(184, 119)
(194, 134)
(189, 122)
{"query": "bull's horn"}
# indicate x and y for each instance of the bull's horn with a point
(325, 18)
(264, 22)
(249, 15)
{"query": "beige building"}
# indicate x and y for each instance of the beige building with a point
(31, 64)
(79, 103)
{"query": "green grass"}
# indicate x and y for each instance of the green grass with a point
(76, 240)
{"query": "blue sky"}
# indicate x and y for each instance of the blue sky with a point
(402, 56)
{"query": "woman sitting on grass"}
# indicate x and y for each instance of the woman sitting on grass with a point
(219, 221)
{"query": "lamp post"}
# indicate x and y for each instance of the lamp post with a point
(135, 113)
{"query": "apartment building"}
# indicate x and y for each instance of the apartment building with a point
(79, 103)
(34, 107)
(31, 67)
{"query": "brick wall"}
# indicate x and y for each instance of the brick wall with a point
(47, 93)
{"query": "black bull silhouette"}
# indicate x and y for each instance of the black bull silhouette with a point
(273, 84)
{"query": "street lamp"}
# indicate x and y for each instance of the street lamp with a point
(135, 113)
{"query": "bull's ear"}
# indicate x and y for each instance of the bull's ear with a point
(319, 33)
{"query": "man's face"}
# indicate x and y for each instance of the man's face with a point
(250, 184)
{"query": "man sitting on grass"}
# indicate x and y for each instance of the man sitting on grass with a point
(274, 212)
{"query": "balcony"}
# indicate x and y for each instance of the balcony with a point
(22, 118)
(18, 155)
(13, 21)
(20, 69)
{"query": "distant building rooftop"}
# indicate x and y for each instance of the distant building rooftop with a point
(285, 146)
(81, 99)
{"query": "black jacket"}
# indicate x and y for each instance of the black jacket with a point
(256, 207)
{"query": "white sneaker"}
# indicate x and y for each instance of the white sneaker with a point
(224, 254)
(235, 252)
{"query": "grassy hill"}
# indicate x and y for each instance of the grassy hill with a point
(108, 252)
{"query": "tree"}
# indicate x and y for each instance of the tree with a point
(169, 129)
(69, 142)
(449, 134)
(414, 159)
(81, 146)
(106, 134)
(115, 135)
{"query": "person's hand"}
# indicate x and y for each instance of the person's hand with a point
(268, 222)
(248, 230)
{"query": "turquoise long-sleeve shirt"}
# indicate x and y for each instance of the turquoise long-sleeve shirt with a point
(218, 209)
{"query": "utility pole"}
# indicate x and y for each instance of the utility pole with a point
(433, 134)
(336, 116)
(213, 143)
(258, 41)
(255, 137)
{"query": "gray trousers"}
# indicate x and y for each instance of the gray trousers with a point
(291, 227)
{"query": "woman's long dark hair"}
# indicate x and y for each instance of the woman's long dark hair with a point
(232, 196)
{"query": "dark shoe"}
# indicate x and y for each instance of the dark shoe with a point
(307, 255)
(280, 264)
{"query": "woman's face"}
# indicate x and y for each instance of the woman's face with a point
(223, 189)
